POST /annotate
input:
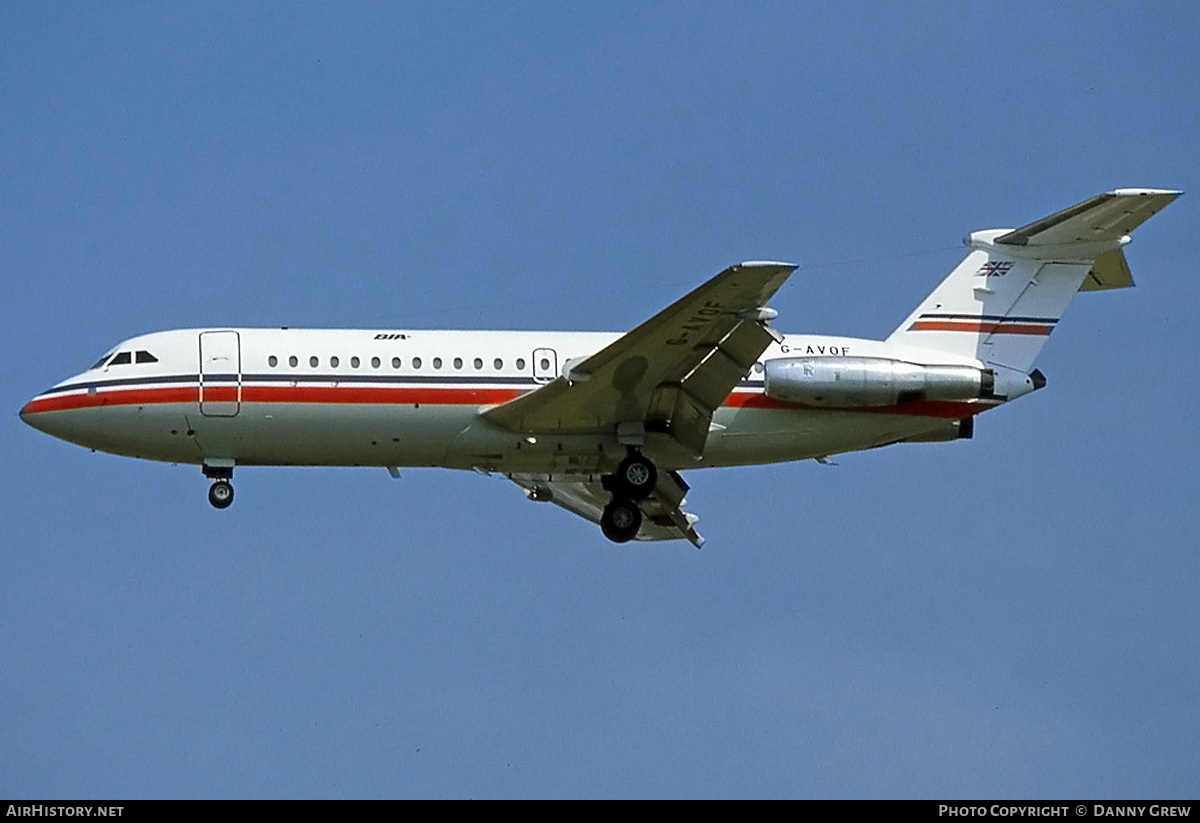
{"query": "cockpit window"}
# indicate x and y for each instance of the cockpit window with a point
(144, 357)
(122, 359)
(101, 361)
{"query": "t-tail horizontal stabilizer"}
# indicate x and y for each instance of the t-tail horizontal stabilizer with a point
(1002, 301)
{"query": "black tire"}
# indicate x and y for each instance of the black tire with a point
(621, 520)
(636, 477)
(220, 494)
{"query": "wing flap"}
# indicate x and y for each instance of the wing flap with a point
(709, 382)
(726, 363)
(746, 342)
(676, 412)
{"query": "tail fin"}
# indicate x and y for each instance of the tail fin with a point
(1001, 303)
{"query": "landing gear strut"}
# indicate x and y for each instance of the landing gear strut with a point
(220, 493)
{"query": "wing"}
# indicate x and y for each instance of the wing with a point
(663, 515)
(669, 373)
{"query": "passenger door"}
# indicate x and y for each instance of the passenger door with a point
(220, 373)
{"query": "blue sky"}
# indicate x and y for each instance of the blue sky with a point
(1011, 616)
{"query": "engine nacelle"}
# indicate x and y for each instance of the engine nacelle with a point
(856, 382)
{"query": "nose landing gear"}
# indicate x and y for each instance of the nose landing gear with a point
(220, 493)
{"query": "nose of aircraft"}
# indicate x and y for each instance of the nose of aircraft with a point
(29, 415)
(38, 414)
(55, 415)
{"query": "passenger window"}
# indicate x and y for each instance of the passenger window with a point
(313, 361)
(354, 361)
(333, 361)
(122, 359)
(395, 362)
(498, 363)
(458, 362)
(478, 364)
(272, 361)
(416, 362)
(520, 363)
(374, 362)
(145, 357)
(292, 361)
(437, 362)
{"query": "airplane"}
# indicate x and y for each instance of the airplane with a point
(603, 424)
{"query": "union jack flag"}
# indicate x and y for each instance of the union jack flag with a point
(994, 269)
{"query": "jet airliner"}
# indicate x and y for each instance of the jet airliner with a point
(603, 424)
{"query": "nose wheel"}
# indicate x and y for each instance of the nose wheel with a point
(220, 494)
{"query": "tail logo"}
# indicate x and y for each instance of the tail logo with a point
(994, 269)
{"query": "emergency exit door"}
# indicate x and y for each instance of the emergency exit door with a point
(545, 365)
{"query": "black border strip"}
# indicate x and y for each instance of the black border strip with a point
(997, 318)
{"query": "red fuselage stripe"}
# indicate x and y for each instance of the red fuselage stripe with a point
(979, 327)
(122, 397)
(275, 394)
(360, 395)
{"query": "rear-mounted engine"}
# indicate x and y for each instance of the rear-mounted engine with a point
(857, 382)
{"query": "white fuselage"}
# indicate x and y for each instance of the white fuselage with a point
(412, 398)
(602, 424)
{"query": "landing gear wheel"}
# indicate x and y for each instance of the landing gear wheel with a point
(636, 477)
(220, 494)
(621, 520)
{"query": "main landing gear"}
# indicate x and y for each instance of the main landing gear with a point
(621, 520)
(634, 480)
(220, 493)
